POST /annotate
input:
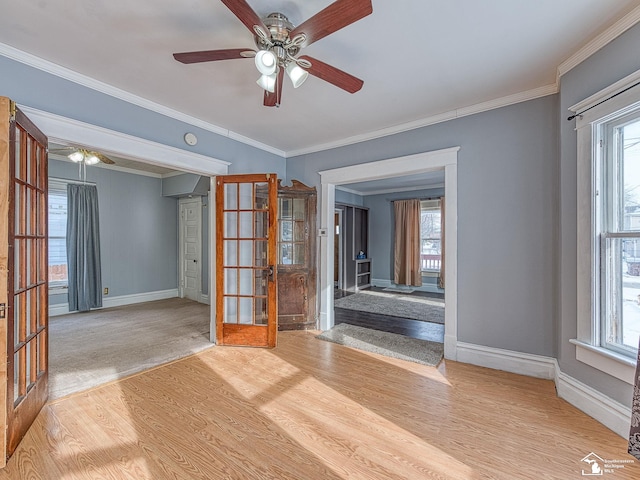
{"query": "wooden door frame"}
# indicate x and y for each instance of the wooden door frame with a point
(181, 262)
(237, 330)
(4, 285)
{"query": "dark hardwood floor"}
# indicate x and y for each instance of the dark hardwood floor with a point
(403, 326)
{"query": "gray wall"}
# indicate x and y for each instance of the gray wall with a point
(138, 230)
(347, 198)
(35, 88)
(610, 64)
(381, 221)
(507, 169)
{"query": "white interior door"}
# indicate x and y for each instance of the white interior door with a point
(190, 248)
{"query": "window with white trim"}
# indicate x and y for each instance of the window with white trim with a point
(608, 229)
(430, 236)
(58, 277)
(617, 231)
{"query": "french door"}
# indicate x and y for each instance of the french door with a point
(23, 273)
(246, 234)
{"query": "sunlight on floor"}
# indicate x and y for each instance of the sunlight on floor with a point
(341, 433)
(113, 429)
(344, 432)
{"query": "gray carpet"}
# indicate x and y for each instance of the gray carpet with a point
(383, 343)
(395, 305)
(89, 349)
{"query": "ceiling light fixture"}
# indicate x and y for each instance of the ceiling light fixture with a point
(296, 74)
(86, 157)
(268, 82)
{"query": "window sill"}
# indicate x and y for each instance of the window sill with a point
(430, 273)
(614, 364)
(58, 290)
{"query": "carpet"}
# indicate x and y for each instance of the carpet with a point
(398, 290)
(384, 343)
(395, 305)
(92, 348)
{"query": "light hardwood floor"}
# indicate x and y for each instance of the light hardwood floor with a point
(314, 410)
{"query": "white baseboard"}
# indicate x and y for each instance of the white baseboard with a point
(205, 299)
(610, 413)
(63, 308)
(515, 362)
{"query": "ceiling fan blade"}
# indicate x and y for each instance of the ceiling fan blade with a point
(210, 55)
(336, 16)
(273, 99)
(104, 159)
(333, 75)
(246, 15)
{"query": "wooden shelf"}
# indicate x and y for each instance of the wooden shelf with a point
(363, 273)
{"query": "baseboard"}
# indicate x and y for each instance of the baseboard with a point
(205, 299)
(63, 308)
(508, 360)
(610, 413)
(605, 410)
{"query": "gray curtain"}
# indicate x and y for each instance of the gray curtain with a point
(83, 248)
(634, 433)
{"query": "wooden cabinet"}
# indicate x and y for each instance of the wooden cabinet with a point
(356, 272)
(296, 257)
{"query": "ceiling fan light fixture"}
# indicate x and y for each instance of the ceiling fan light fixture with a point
(266, 62)
(91, 159)
(76, 156)
(296, 74)
(268, 82)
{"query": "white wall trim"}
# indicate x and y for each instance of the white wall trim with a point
(107, 302)
(445, 159)
(508, 360)
(432, 120)
(605, 410)
(610, 413)
(65, 130)
(611, 33)
(80, 79)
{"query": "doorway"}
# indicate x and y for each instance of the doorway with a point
(190, 248)
(412, 164)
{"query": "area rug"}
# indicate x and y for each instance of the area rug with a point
(384, 343)
(398, 290)
(93, 348)
(395, 305)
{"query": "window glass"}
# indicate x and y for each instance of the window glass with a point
(618, 211)
(431, 245)
(57, 234)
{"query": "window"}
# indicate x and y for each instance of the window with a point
(430, 230)
(608, 229)
(617, 232)
(57, 234)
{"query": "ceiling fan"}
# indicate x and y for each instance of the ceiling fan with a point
(278, 44)
(83, 155)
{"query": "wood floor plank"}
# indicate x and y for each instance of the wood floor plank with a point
(312, 409)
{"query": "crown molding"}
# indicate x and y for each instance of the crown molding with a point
(611, 33)
(80, 79)
(434, 119)
(389, 190)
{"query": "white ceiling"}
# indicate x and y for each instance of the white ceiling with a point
(418, 58)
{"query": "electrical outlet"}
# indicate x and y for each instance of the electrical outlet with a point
(106, 290)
